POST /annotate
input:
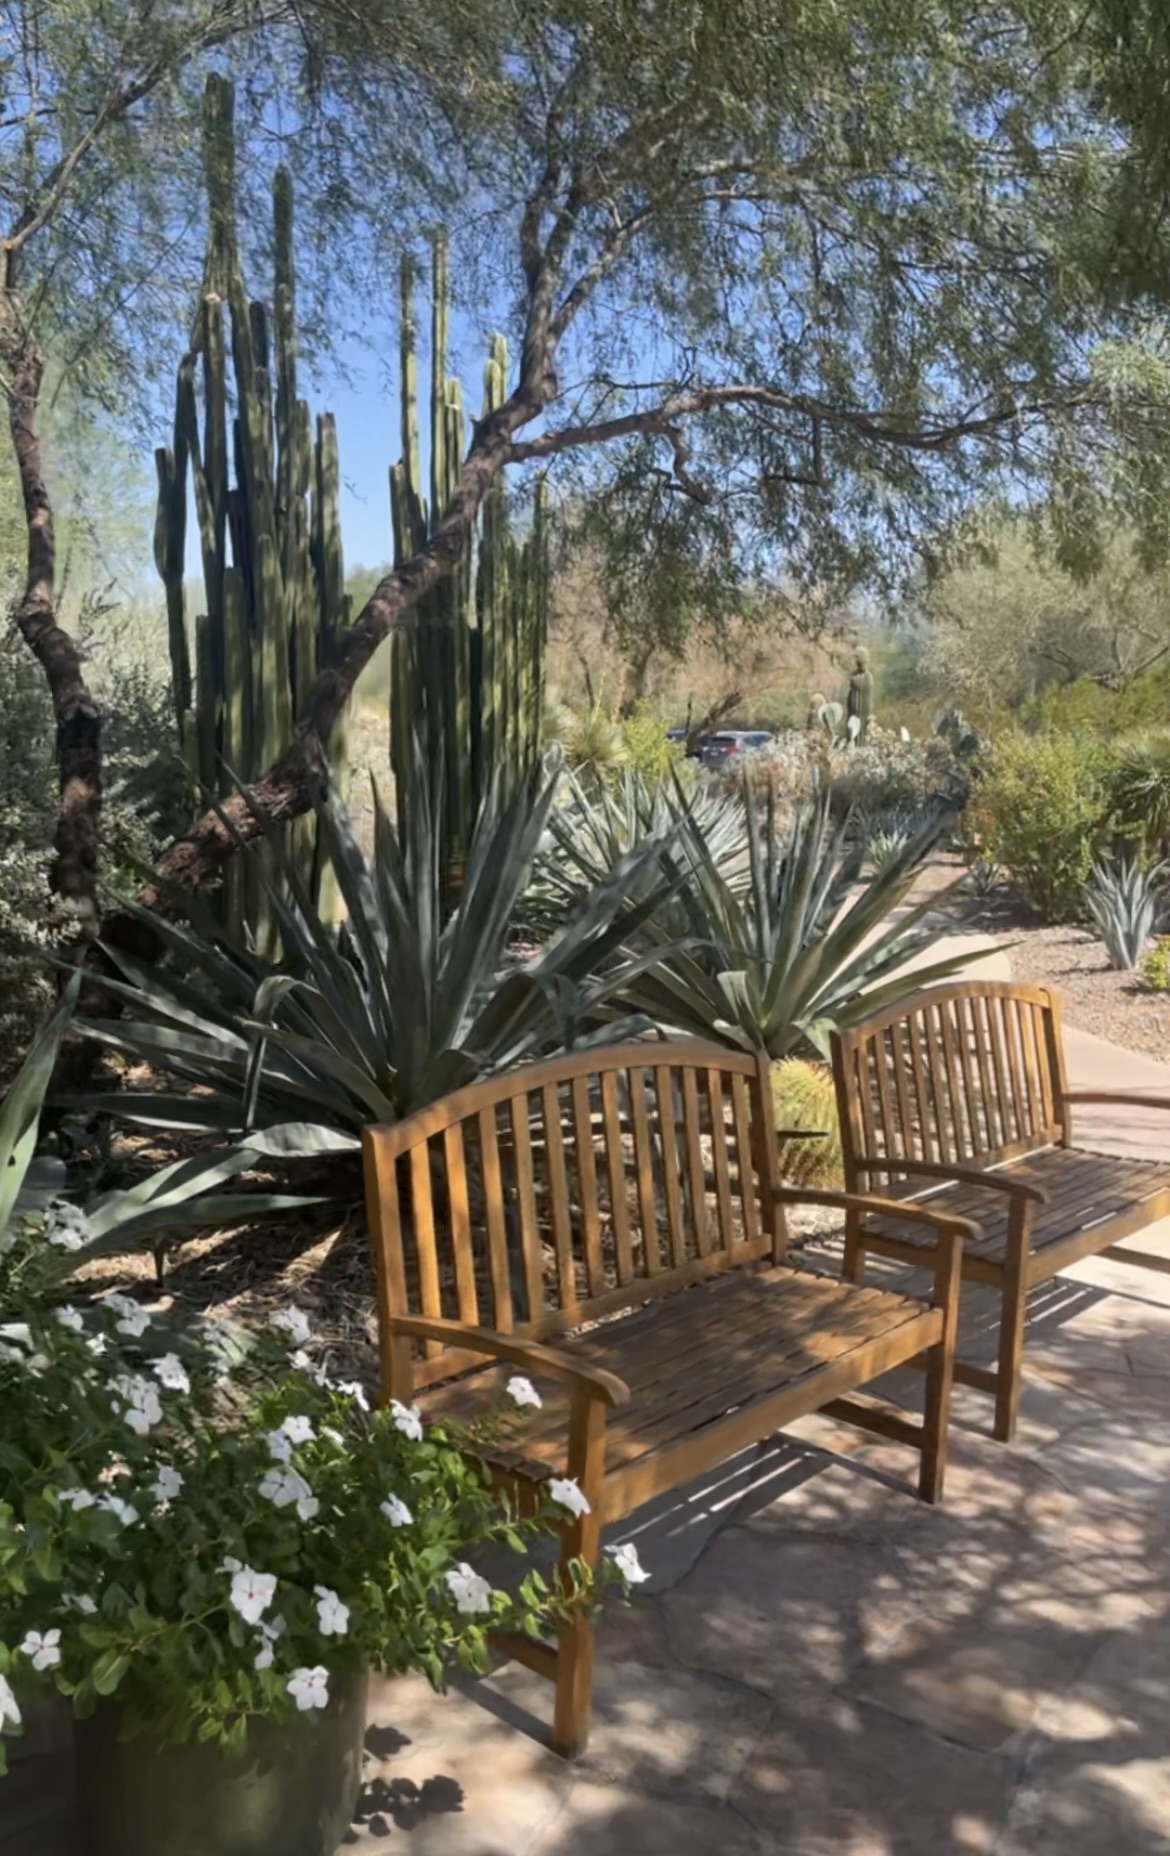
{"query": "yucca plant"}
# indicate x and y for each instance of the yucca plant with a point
(777, 968)
(1123, 899)
(1139, 790)
(399, 1007)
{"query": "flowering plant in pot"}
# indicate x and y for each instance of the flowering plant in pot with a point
(206, 1542)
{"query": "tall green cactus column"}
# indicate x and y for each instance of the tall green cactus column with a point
(266, 491)
(467, 673)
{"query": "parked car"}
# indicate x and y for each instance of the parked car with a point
(716, 750)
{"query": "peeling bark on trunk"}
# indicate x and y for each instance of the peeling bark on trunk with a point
(78, 717)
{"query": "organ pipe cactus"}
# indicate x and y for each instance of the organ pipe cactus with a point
(467, 674)
(266, 493)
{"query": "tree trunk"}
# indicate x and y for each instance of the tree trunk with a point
(78, 717)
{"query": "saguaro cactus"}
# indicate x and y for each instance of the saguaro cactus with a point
(467, 675)
(859, 706)
(266, 497)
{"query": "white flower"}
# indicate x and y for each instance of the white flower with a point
(304, 1364)
(65, 1225)
(167, 1483)
(283, 1486)
(97, 1343)
(298, 1429)
(293, 1322)
(133, 1318)
(279, 1445)
(39, 1363)
(332, 1615)
(230, 1564)
(8, 1708)
(524, 1392)
(252, 1593)
(41, 1648)
(407, 1419)
(396, 1512)
(271, 1630)
(309, 1688)
(113, 1504)
(471, 1593)
(76, 1499)
(142, 1403)
(80, 1601)
(564, 1490)
(264, 1656)
(69, 1318)
(171, 1373)
(625, 1558)
(357, 1393)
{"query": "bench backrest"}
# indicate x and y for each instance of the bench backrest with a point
(567, 1190)
(971, 1072)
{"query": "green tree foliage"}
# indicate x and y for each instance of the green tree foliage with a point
(1011, 623)
(1038, 813)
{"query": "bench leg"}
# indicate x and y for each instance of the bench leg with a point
(573, 1703)
(1011, 1351)
(853, 1266)
(940, 1373)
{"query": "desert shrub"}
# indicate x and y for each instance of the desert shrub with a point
(1154, 966)
(1038, 812)
(883, 773)
(1138, 785)
(1086, 707)
(646, 750)
(804, 1097)
(785, 773)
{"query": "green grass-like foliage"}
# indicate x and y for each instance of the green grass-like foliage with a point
(804, 1097)
(402, 1005)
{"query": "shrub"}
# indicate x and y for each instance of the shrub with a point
(1155, 965)
(1139, 791)
(883, 773)
(1038, 812)
(804, 1097)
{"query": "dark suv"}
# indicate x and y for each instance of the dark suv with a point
(716, 750)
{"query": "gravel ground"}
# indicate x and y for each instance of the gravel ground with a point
(1092, 996)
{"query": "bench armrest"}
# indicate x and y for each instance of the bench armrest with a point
(593, 1381)
(957, 1174)
(943, 1222)
(1128, 1098)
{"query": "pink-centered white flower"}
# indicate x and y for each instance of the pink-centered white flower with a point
(625, 1558)
(523, 1392)
(66, 1225)
(142, 1407)
(407, 1419)
(285, 1487)
(298, 1429)
(42, 1648)
(279, 1446)
(69, 1318)
(133, 1319)
(9, 1710)
(252, 1592)
(568, 1493)
(396, 1512)
(121, 1510)
(309, 1688)
(332, 1615)
(472, 1594)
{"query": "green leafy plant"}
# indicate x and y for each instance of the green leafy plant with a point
(1038, 812)
(1123, 900)
(805, 1098)
(207, 1528)
(1139, 792)
(801, 951)
(885, 835)
(398, 1008)
(1154, 966)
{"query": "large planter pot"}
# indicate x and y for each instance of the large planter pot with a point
(292, 1791)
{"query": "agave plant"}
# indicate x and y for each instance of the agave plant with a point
(1124, 899)
(399, 1007)
(590, 832)
(887, 834)
(801, 952)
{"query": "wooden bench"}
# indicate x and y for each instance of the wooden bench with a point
(958, 1098)
(640, 1182)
